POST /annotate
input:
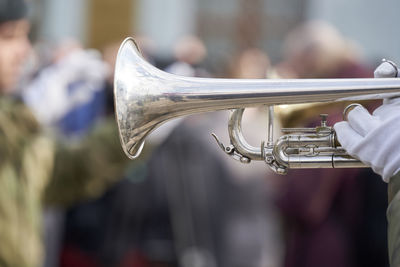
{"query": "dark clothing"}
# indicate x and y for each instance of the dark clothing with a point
(180, 208)
(160, 210)
(393, 217)
(321, 212)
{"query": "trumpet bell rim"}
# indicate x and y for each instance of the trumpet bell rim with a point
(131, 149)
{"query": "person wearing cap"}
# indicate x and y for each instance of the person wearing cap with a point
(34, 169)
(20, 147)
(15, 46)
(374, 139)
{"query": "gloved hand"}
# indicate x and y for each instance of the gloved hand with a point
(375, 139)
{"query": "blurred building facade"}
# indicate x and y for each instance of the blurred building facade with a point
(226, 26)
(370, 23)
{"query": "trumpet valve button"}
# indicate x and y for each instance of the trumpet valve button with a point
(323, 119)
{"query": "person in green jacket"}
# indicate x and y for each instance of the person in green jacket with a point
(35, 170)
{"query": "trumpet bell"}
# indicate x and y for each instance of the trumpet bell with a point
(136, 84)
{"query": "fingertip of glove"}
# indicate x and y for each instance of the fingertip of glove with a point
(346, 135)
(385, 70)
(341, 129)
(357, 113)
(340, 125)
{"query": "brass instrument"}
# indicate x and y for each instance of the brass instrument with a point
(146, 97)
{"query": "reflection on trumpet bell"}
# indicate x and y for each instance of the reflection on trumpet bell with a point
(146, 97)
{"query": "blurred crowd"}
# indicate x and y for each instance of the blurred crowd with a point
(184, 202)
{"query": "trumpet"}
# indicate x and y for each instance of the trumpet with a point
(145, 97)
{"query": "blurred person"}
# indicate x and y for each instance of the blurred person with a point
(116, 229)
(153, 216)
(252, 228)
(72, 81)
(96, 236)
(73, 86)
(184, 208)
(220, 212)
(251, 63)
(316, 49)
(14, 41)
(332, 207)
(189, 52)
(29, 159)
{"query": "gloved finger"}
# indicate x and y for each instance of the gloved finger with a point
(391, 101)
(386, 69)
(361, 121)
(347, 136)
(390, 108)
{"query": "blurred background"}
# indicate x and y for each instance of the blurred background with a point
(186, 203)
(225, 26)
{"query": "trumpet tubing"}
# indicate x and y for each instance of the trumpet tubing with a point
(145, 97)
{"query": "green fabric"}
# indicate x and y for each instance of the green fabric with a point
(86, 169)
(26, 160)
(393, 217)
(34, 170)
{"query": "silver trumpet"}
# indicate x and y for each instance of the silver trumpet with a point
(146, 97)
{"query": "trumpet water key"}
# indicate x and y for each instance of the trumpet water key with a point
(146, 97)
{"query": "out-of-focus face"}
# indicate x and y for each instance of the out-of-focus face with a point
(14, 49)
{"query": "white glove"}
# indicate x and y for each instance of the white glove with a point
(374, 139)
